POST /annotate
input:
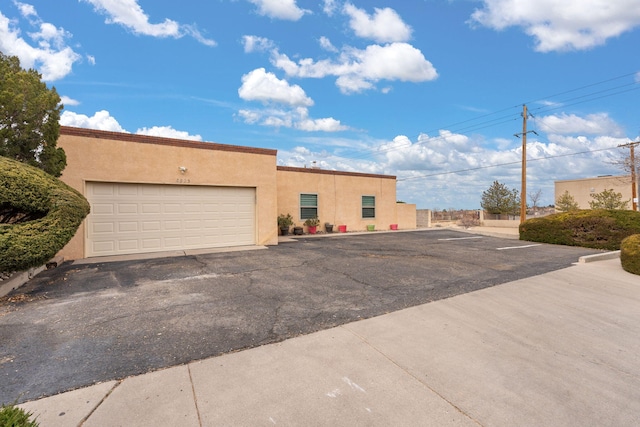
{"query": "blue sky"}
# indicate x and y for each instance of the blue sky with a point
(428, 90)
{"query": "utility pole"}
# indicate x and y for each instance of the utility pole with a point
(523, 191)
(632, 164)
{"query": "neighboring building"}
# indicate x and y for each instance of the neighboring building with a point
(582, 189)
(151, 194)
(342, 198)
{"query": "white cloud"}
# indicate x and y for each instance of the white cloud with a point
(193, 31)
(384, 26)
(296, 118)
(326, 44)
(129, 14)
(66, 101)
(256, 44)
(592, 124)
(329, 7)
(358, 70)
(452, 170)
(168, 132)
(50, 55)
(26, 10)
(325, 125)
(292, 111)
(562, 25)
(328, 124)
(101, 120)
(259, 85)
(91, 59)
(280, 9)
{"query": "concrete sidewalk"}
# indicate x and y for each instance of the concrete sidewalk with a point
(559, 349)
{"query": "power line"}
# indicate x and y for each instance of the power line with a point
(582, 87)
(517, 162)
(507, 118)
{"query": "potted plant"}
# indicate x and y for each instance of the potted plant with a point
(312, 224)
(284, 222)
(328, 227)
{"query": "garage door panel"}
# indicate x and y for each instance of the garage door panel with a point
(103, 228)
(130, 218)
(151, 208)
(126, 226)
(102, 209)
(103, 189)
(150, 244)
(127, 245)
(126, 208)
(151, 226)
(104, 246)
(172, 225)
(172, 208)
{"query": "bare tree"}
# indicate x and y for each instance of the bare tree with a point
(535, 196)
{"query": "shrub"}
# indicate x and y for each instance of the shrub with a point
(12, 416)
(285, 221)
(60, 209)
(469, 220)
(598, 229)
(630, 254)
(312, 222)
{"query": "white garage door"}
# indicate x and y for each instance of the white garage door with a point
(138, 218)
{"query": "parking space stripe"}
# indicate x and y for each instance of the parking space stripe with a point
(518, 247)
(463, 238)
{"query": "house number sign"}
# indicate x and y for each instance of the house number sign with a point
(183, 181)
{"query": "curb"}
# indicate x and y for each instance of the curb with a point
(599, 257)
(21, 278)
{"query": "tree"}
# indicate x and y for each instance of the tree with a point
(608, 199)
(29, 118)
(625, 162)
(534, 196)
(566, 203)
(498, 199)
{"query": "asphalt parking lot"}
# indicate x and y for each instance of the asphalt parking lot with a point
(81, 324)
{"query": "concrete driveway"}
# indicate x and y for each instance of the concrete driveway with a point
(82, 324)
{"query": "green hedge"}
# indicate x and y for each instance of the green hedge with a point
(630, 254)
(28, 189)
(599, 229)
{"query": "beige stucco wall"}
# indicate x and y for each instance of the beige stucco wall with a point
(339, 197)
(581, 189)
(407, 216)
(117, 157)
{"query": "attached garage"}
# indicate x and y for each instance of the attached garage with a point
(131, 218)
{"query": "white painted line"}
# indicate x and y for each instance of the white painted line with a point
(518, 247)
(463, 238)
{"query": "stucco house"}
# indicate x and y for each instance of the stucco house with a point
(152, 194)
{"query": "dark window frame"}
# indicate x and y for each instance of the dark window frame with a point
(307, 208)
(368, 207)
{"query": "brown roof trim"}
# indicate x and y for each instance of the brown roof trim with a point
(330, 172)
(146, 139)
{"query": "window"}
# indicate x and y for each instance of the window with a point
(368, 206)
(308, 206)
